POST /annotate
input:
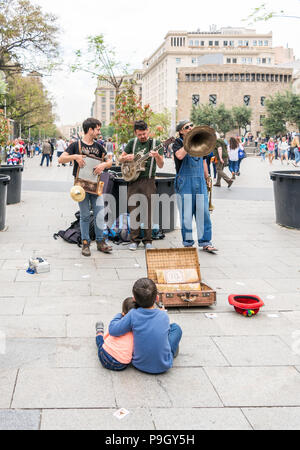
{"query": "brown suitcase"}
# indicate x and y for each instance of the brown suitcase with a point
(183, 258)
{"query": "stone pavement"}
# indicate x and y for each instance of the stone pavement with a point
(231, 373)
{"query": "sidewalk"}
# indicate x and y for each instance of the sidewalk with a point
(231, 373)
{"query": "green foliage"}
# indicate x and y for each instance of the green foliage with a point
(160, 124)
(242, 116)
(281, 110)
(218, 118)
(4, 130)
(262, 13)
(100, 61)
(224, 119)
(107, 131)
(28, 37)
(129, 109)
(28, 104)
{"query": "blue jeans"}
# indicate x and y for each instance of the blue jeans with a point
(234, 166)
(175, 335)
(96, 204)
(107, 361)
(297, 155)
(47, 157)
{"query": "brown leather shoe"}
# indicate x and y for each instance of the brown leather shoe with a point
(86, 251)
(230, 183)
(103, 247)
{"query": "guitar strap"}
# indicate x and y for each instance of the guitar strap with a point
(152, 160)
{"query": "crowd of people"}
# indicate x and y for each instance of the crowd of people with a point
(284, 148)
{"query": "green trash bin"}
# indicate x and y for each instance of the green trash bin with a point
(4, 181)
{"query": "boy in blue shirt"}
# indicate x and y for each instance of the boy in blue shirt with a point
(156, 342)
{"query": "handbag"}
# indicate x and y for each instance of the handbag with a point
(242, 154)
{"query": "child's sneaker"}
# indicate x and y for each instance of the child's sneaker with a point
(100, 328)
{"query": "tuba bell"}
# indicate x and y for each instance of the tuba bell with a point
(200, 141)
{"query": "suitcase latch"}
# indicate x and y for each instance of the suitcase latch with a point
(188, 297)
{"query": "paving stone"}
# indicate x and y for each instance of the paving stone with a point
(131, 274)
(33, 326)
(84, 325)
(273, 418)
(195, 325)
(256, 386)
(77, 353)
(53, 275)
(7, 383)
(148, 390)
(11, 289)
(27, 353)
(138, 419)
(199, 352)
(20, 420)
(76, 274)
(11, 306)
(281, 284)
(123, 288)
(116, 263)
(63, 388)
(64, 288)
(256, 351)
(199, 419)
(7, 276)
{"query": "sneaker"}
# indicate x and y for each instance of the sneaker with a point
(230, 183)
(100, 327)
(149, 247)
(133, 247)
(104, 247)
(86, 251)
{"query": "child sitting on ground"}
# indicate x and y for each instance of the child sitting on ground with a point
(115, 353)
(156, 343)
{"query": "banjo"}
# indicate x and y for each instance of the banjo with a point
(131, 170)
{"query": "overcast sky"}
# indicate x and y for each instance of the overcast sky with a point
(136, 28)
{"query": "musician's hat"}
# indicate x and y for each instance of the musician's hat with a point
(181, 125)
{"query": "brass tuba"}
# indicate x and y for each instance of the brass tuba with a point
(200, 141)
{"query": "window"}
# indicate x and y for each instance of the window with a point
(276, 78)
(266, 43)
(244, 60)
(214, 77)
(228, 61)
(225, 43)
(253, 78)
(254, 43)
(187, 77)
(178, 60)
(196, 100)
(240, 43)
(194, 60)
(231, 77)
(247, 99)
(210, 43)
(269, 61)
(204, 77)
(191, 43)
(196, 43)
(209, 77)
(234, 60)
(216, 43)
(260, 43)
(242, 77)
(220, 77)
(231, 43)
(267, 77)
(258, 77)
(262, 101)
(258, 60)
(247, 76)
(246, 43)
(202, 43)
(281, 78)
(237, 77)
(262, 77)
(213, 99)
(225, 76)
(272, 77)
(193, 77)
(264, 61)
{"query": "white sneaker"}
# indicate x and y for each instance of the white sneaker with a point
(133, 247)
(149, 247)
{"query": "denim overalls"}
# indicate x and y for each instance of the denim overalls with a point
(192, 198)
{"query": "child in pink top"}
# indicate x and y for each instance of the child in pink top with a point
(115, 353)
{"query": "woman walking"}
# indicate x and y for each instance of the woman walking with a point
(233, 153)
(283, 148)
(271, 150)
(296, 146)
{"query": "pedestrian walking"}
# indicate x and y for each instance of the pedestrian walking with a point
(296, 146)
(233, 154)
(271, 150)
(221, 160)
(60, 148)
(283, 149)
(263, 151)
(46, 151)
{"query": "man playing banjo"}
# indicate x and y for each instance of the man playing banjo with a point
(145, 184)
(77, 152)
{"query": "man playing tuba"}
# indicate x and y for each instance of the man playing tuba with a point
(191, 190)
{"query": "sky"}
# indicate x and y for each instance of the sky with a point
(135, 29)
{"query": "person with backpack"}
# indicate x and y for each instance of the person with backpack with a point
(221, 159)
(77, 152)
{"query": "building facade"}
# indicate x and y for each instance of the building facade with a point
(70, 131)
(103, 107)
(182, 49)
(231, 85)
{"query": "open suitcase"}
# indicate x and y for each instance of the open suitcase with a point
(182, 295)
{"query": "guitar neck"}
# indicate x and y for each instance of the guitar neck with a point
(147, 156)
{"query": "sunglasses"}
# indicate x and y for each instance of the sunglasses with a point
(188, 126)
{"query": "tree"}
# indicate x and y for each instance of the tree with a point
(241, 117)
(261, 13)
(218, 118)
(223, 119)
(281, 110)
(160, 124)
(129, 109)
(28, 37)
(100, 61)
(4, 130)
(28, 103)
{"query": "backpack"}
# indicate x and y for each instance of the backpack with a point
(120, 230)
(73, 234)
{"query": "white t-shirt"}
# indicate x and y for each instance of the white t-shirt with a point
(233, 154)
(61, 146)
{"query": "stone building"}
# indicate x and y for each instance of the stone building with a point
(232, 85)
(181, 49)
(103, 107)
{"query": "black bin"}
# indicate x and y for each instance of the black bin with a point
(4, 181)
(287, 197)
(15, 185)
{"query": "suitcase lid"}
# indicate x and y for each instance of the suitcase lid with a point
(172, 258)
